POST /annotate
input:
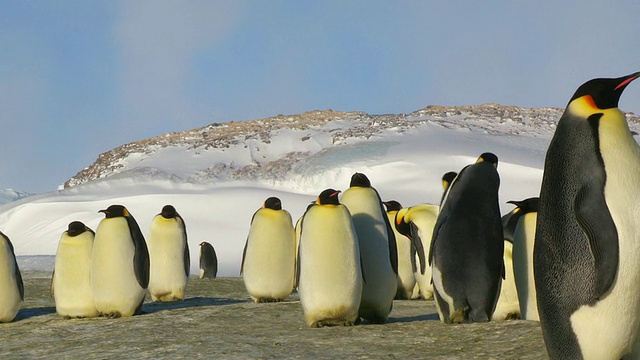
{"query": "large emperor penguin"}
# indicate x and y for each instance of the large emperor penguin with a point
(119, 264)
(526, 212)
(268, 260)
(417, 222)
(11, 286)
(406, 256)
(169, 259)
(467, 245)
(208, 261)
(71, 283)
(329, 269)
(587, 243)
(377, 249)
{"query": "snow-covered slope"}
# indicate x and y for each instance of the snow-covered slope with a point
(219, 175)
(9, 195)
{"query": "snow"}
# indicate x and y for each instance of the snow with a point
(403, 165)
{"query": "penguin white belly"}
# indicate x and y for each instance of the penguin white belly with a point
(439, 288)
(10, 299)
(406, 277)
(523, 242)
(72, 277)
(330, 284)
(113, 279)
(269, 265)
(425, 223)
(609, 329)
(507, 306)
(166, 243)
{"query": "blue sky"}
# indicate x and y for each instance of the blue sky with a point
(80, 77)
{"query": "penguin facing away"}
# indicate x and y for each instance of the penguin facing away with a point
(71, 281)
(377, 248)
(208, 261)
(587, 242)
(169, 258)
(467, 246)
(406, 255)
(330, 276)
(11, 285)
(119, 264)
(523, 242)
(268, 260)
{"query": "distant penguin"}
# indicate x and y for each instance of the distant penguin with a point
(377, 248)
(169, 259)
(208, 261)
(417, 222)
(406, 259)
(587, 242)
(11, 286)
(467, 247)
(71, 283)
(329, 270)
(508, 307)
(119, 264)
(268, 260)
(523, 242)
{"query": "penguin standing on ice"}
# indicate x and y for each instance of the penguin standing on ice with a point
(467, 245)
(169, 257)
(406, 253)
(119, 264)
(208, 261)
(329, 268)
(268, 260)
(377, 248)
(71, 282)
(11, 286)
(587, 242)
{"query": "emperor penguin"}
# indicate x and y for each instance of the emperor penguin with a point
(523, 241)
(416, 223)
(406, 256)
(508, 307)
(119, 264)
(71, 282)
(377, 249)
(208, 261)
(467, 246)
(11, 286)
(169, 259)
(587, 241)
(268, 260)
(329, 269)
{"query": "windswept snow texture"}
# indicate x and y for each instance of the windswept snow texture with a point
(219, 175)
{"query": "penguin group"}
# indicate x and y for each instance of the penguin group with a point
(566, 258)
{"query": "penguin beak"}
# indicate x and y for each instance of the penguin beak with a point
(626, 81)
(104, 211)
(335, 193)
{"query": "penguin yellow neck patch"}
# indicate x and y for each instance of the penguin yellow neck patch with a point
(585, 106)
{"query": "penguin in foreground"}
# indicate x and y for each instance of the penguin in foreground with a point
(169, 259)
(268, 260)
(467, 246)
(71, 282)
(329, 269)
(406, 259)
(208, 261)
(377, 249)
(119, 264)
(523, 241)
(11, 286)
(587, 242)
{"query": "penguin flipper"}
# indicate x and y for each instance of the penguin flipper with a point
(141, 254)
(417, 243)
(393, 246)
(601, 232)
(186, 257)
(53, 274)
(19, 280)
(244, 254)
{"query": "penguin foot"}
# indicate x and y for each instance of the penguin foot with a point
(111, 315)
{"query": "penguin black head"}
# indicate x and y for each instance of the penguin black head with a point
(273, 203)
(76, 228)
(115, 211)
(329, 197)
(360, 179)
(204, 243)
(392, 205)
(401, 226)
(488, 157)
(169, 212)
(527, 205)
(604, 93)
(448, 178)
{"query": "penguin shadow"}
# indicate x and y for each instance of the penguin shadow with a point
(194, 302)
(27, 313)
(410, 319)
